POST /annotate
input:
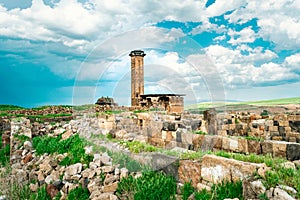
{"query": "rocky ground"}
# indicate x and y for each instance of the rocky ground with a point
(108, 158)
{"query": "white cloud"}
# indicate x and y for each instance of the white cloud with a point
(241, 71)
(278, 20)
(75, 24)
(293, 62)
(246, 35)
(220, 7)
(206, 26)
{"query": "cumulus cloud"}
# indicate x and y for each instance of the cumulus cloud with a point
(75, 24)
(246, 35)
(293, 62)
(241, 71)
(278, 20)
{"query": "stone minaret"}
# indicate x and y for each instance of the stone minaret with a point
(137, 76)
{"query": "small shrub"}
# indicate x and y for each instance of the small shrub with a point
(79, 194)
(236, 121)
(150, 186)
(187, 190)
(264, 113)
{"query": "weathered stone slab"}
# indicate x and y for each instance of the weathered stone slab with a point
(189, 171)
(216, 169)
(293, 151)
(254, 147)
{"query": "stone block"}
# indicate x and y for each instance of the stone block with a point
(283, 123)
(292, 139)
(197, 141)
(225, 143)
(187, 138)
(157, 142)
(189, 171)
(277, 138)
(211, 142)
(215, 169)
(273, 128)
(293, 151)
(267, 147)
(242, 145)
(279, 149)
(169, 136)
(233, 144)
(178, 136)
(171, 144)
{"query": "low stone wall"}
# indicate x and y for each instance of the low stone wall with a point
(281, 127)
(169, 139)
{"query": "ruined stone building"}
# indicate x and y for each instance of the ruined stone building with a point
(172, 103)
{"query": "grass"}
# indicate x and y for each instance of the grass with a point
(79, 194)
(137, 146)
(199, 132)
(4, 155)
(74, 146)
(219, 191)
(5, 114)
(10, 107)
(258, 139)
(205, 105)
(151, 186)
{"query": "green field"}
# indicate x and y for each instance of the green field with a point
(274, 102)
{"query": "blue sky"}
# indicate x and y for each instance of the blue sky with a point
(72, 52)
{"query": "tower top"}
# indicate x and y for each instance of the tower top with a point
(137, 53)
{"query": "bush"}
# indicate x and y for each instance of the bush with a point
(150, 186)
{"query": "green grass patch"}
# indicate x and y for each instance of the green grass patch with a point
(151, 186)
(10, 107)
(258, 139)
(74, 146)
(187, 190)
(222, 191)
(137, 146)
(193, 155)
(140, 111)
(125, 161)
(4, 155)
(79, 194)
(206, 105)
(110, 112)
(199, 132)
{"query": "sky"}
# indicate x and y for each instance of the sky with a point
(74, 51)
